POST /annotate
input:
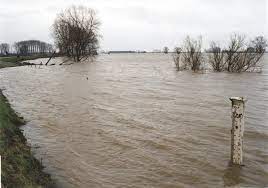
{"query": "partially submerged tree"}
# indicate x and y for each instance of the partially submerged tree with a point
(233, 55)
(216, 57)
(190, 55)
(239, 56)
(76, 32)
(242, 56)
(177, 59)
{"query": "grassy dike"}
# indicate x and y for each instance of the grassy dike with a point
(19, 167)
(9, 62)
(14, 61)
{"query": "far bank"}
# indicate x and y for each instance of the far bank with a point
(14, 61)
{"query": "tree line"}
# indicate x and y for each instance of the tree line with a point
(75, 32)
(4, 48)
(27, 47)
(239, 55)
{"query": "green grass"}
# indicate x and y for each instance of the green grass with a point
(19, 167)
(13, 61)
(4, 64)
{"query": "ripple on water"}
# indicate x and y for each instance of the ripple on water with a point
(136, 122)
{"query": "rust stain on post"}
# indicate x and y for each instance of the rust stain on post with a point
(237, 132)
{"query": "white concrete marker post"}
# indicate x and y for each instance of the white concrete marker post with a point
(237, 132)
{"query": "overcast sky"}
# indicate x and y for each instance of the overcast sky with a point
(139, 24)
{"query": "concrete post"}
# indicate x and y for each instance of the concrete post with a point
(237, 132)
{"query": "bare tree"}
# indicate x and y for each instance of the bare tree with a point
(165, 50)
(29, 47)
(241, 57)
(177, 57)
(216, 57)
(236, 45)
(16, 47)
(259, 44)
(250, 57)
(192, 55)
(76, 32)
(4, 49)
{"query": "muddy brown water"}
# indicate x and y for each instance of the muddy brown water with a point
(131, 120)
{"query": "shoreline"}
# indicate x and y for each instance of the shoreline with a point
(14, 61)
(19, 166)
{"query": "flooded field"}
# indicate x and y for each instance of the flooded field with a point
(132, 120)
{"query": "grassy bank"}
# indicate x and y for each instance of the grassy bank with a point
(4, 63)
(13, 61)
(19, 167)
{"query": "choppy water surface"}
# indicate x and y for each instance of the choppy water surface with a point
(136, 122)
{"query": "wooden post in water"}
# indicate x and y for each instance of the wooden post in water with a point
(237, 132)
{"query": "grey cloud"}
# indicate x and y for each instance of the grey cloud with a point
(140, 24)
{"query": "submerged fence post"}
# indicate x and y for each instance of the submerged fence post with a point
(237, 132)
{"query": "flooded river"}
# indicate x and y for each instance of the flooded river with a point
(132, 120)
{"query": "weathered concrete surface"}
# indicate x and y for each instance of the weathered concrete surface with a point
(237, 131)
